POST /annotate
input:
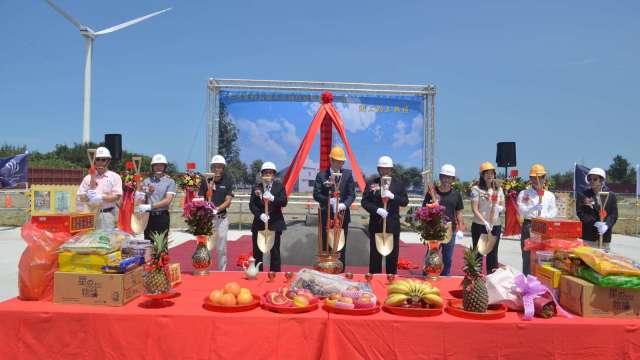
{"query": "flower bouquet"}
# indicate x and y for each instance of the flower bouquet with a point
(200, 218)
(431, 222)
(188, 182)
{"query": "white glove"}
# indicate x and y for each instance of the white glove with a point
(388, 194)
(140, 195)
(382, 212)
(342, 207)
(269, 196)
(215, 211)
(332, 202)
(499, 209)
(536, 208)
(602, 227)
(143, 208)
(488, 227)
(459, 235)
(93, 196)
(264, 218)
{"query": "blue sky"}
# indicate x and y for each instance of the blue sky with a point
(559, 78)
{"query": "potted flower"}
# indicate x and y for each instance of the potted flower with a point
(200, 221)
(434, 227)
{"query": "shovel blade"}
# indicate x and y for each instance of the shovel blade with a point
(384, 243)
(486, 244)
(330, 239)
(139, 222)
(265, 241)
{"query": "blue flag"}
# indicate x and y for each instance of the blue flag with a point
(14, 170)
(580, 183)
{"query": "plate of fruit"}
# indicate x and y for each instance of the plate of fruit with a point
(231, 298)
(288, 301)
(356, 302)
(413, 297)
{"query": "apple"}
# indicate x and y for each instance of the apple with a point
(300, 301)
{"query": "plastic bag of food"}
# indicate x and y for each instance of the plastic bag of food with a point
(618, 281)
(323, 285)
(607, 263)
(38, 262)
(97, 242)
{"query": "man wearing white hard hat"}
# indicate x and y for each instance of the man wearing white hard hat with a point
(104, 197)
(218, 189)
(451, 199)
(158, 192)
(271, 192)
(375, 195)
(597, 210)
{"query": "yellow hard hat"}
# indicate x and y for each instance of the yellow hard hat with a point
(537, 170)
(486, 166)
(337, 154)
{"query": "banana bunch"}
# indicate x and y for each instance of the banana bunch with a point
(413, 291)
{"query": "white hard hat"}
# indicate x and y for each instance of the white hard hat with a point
(103, 152)
(159, 159)
(218, 159)
(448, 170)
(268, 166)
(385, 162)
(596, 171)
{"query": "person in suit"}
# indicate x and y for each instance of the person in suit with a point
(590, 204)
(324, 190)
(270, 190)
(373, 202)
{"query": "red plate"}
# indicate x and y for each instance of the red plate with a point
(454, 307)
(456, 293)
(356, 312)
(313, 305)
(415, 312)
(231, 308)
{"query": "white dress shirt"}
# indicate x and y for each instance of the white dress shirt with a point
(529, 198)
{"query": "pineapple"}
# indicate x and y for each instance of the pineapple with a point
(155, 279)
(475, 297)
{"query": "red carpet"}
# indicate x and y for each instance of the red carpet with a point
(412, 252)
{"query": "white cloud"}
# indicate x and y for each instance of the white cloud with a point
(416, 155)
(354, 120)
(260, 138)
(289, 135)
(413, 137)
(377, 133)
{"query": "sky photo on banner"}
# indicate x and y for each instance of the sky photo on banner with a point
(272, 125)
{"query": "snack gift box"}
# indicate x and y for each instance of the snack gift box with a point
(97, 289)
(86, 263)
(586, 299)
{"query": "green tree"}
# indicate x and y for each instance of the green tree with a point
(620, 170)
(238, 171)
(254, 170)
(227, 136)
(7, 150)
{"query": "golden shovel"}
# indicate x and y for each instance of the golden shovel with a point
(383, 245)
(488, 241)
(265, 237)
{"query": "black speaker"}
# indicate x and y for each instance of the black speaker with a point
(113, 142)
(506, 154)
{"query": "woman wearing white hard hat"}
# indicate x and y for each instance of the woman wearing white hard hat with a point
(158, 192)
(373, 199)
(218, 189)
(267, 200)
(597, 210)
(106, 194)
(451, 199)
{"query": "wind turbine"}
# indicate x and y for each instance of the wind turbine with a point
(89, 36)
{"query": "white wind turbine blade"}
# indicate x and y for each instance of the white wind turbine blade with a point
(129, 23)
(75, 22)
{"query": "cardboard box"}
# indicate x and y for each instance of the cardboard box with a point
(86, 263)
(586, 299)
(548, 275)
(97, 289)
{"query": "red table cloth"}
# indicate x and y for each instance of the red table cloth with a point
(185, 330)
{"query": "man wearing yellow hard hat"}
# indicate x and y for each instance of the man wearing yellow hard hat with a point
(534, 202)
(329, 183)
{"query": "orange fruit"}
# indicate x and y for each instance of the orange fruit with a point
(215, 296)
(244, 298)
(232, 288)
(245, 290)
(228, 299)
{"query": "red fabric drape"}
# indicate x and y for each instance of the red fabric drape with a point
(326, 134)
(124, 215)
(188, 198)
(512, 225)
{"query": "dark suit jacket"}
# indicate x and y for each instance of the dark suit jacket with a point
(322, 193)
(372, 200)
(256, 205)
(589, 215)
